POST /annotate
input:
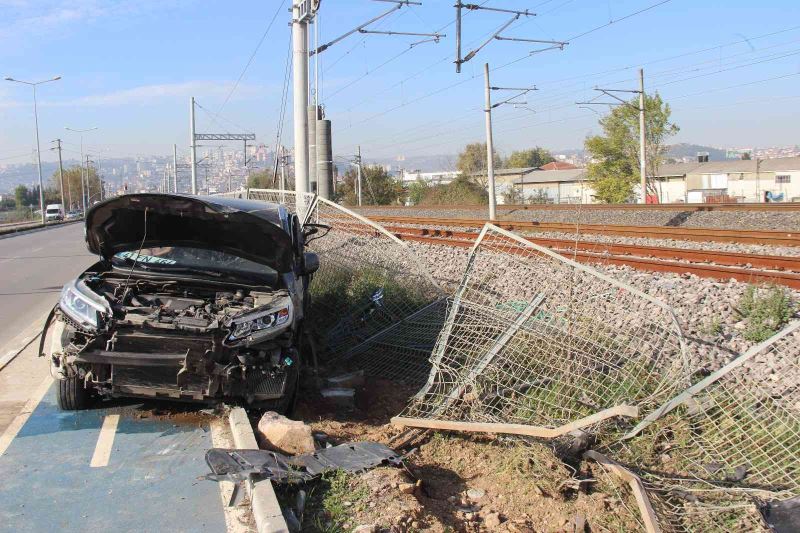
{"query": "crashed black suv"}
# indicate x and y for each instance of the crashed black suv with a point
(193, 298)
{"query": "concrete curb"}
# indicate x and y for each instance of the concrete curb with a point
(266, 509)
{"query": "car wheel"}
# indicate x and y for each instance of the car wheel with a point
(73, 395)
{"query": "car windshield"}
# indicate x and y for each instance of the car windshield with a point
(199, 261)
(53, 210)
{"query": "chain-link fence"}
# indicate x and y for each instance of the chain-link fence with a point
(534, 338)
(373, 304)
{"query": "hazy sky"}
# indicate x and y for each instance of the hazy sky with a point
(729, 68)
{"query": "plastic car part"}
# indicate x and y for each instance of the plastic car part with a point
(240, 465)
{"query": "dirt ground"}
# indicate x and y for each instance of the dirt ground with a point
(453, 482)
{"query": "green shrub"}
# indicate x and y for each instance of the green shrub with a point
(765, 311)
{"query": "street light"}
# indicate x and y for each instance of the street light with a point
(36, 121)
(84, 190)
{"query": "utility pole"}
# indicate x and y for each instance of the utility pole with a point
(642, 138)
(358, 162)
(175, 168)
(458, 36)
(489, 145)
(193, 147)
(642, 123)
(84, 185)
(61, 172)
(300, 98)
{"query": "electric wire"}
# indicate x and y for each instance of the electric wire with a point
(252, 56)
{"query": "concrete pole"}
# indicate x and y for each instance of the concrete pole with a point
(61, 177)
(358, 159)
(324, 159)
(313, 116)
(193, 146)
(300, 102)
(642, 138)
(83, 182)
(458, 36)
(489, 146)
(38, 156)
(175, 168)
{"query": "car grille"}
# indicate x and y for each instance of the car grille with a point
(265, 386)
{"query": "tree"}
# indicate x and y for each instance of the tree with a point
(416, 191)
(614, 171)
(261, 180)
(74, 188)
(460, 191)
(533, 158)
(472, 163)
(378, 187)
(21, 196)
(513, 196)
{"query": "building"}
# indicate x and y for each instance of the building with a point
(755, 180)
(567, 186)
(442, 177)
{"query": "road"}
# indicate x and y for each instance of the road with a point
(125, 466)
(33, 268)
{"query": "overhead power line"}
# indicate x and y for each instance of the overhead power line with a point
(252, 56)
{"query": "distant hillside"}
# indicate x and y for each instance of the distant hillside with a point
(686, 150)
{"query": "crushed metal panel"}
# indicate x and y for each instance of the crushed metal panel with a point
(240, 465)
(534, 338)
(373, 303)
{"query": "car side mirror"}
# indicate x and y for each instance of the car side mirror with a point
(310, 263)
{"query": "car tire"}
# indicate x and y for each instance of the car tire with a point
(72, 395)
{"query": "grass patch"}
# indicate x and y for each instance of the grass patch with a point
(332, 500)
(765, 310)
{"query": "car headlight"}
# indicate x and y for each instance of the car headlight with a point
(267, 321)
(82, 305)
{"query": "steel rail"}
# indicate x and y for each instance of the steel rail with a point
(718, 272)
(775, 238)
(694, 207)
(770, 262)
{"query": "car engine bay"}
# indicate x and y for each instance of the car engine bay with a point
(181, 339)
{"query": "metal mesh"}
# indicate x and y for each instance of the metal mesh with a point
(534, 338)
(373, 304)
(730, 441)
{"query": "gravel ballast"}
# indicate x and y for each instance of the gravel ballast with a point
(744, 219)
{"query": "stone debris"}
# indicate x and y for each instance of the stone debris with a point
(278, 433)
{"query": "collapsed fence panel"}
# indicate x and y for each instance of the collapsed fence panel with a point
(373, 304)
(722, 452)
(534, 338)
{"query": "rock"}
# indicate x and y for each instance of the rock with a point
(406, 488)
(340, 397)
(492, 521)
(352, 380)
(281, 434)
(476, 494)
(366, 528)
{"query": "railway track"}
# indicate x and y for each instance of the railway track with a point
(771, 238)
(779, 206)
(747, 268)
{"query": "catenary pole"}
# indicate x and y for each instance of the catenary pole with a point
(300, 101)
(175, 168)
(358, 162)
(489, 145)
(642, 137)
(193, 146)
(61, 174)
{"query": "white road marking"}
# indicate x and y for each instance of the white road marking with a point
(236, 518)
(23, 416)
(105, 442)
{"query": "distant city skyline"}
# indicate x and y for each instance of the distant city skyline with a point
(730, 73)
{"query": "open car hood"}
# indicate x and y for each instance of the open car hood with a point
(245, 228)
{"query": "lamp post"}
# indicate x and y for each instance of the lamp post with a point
(36, 121)
(84, 190)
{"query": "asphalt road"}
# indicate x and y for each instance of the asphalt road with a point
(122, 465)
(33, 268)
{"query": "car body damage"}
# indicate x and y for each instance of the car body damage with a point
(196, 299)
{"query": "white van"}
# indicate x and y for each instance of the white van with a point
(54, 212)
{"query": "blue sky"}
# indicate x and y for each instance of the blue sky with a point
(729, 68)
